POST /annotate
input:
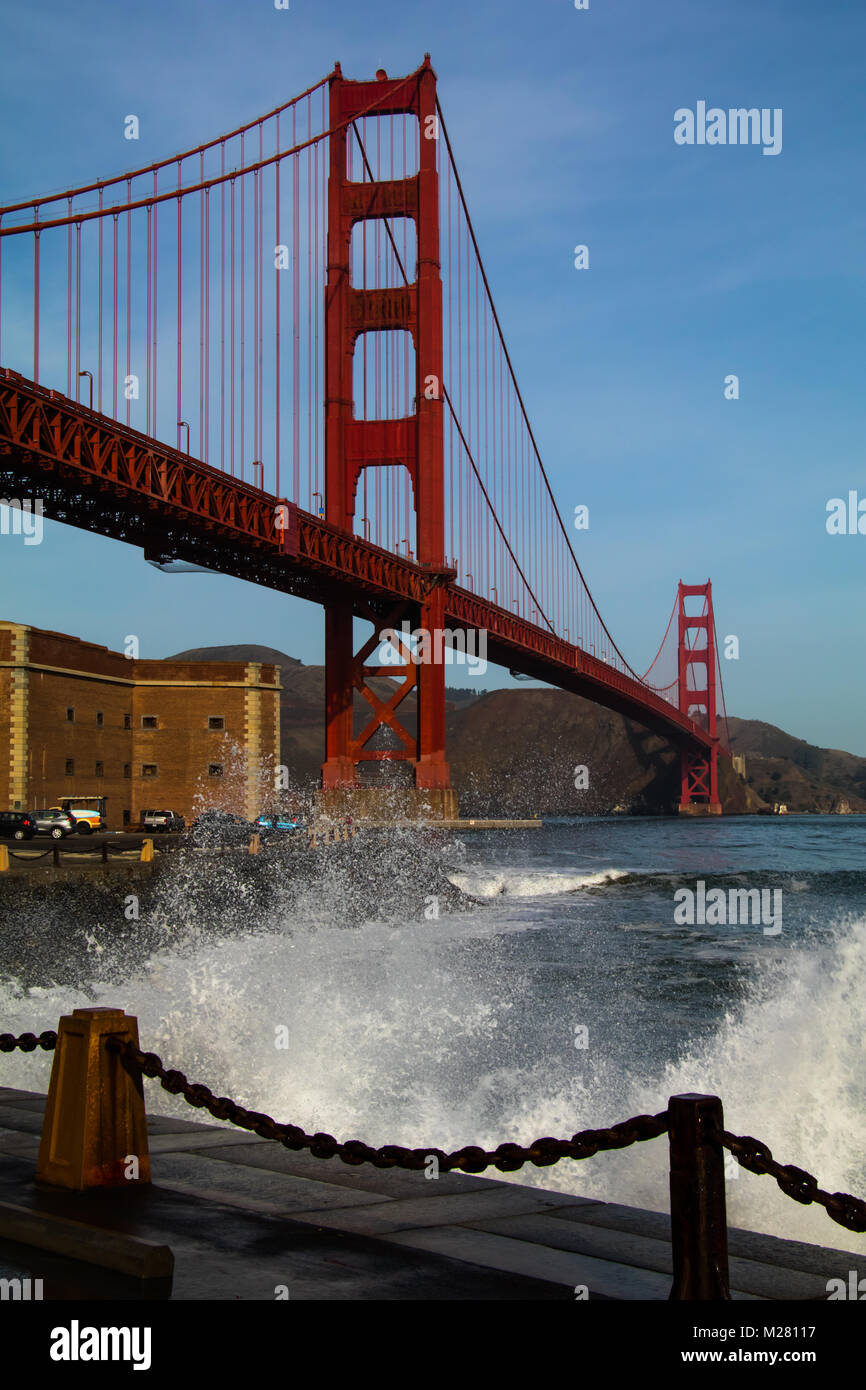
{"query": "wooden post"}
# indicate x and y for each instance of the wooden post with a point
(699, 1230)
(95, 1130)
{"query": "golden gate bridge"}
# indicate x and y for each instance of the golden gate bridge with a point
(277, 355)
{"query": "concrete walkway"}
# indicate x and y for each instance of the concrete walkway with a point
(246, 1218)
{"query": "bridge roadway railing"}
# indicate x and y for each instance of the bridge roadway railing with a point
(95, 1120)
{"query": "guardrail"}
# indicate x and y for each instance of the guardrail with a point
(105, 850)
(310, 839)
(95, 1125)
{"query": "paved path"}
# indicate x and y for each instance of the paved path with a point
(246, 1217)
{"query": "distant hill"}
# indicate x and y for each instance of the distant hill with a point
(515, 752)
(780, 767)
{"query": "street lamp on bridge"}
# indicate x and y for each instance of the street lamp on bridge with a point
(90, 375)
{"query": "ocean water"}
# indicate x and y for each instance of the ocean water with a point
(470, 988)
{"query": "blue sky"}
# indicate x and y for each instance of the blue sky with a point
(704, 261)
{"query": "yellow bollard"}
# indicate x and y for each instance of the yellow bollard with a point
(147, 851)
(255, 845)
(4, 858)
(95, 1130)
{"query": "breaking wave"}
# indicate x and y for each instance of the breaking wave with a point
(428, 1029)
(483, 884)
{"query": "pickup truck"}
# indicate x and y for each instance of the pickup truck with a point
(162, 820)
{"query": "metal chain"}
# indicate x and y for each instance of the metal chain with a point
(751, 1153)
(844, 1209)
(472, 1159)
(28, 1042)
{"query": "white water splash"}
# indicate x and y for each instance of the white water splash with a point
(521, 883)
(393, 1040)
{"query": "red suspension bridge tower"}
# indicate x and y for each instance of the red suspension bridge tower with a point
(696, 685)
(413, 442)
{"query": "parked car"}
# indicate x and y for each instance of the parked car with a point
(162, 820)
(86, 819)
(219, 828)
(278, 822)
(57, 824)
(17, 825)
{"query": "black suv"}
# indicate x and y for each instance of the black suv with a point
(17, 825)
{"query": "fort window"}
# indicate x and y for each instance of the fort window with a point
(70, 715)
(127, 769)
(216, 721)
(127, 721)
(70, 767)
(148, 769)
(100, 719)
(149, 721)
(100, 769)
(215, 770)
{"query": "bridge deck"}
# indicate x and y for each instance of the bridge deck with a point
(244, 1216)
(92, 472)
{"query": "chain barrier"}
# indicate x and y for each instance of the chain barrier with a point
(471, 1159)
(750, 1153)
(28, 1042)
(841, 1207)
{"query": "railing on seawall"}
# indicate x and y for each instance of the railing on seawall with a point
(95, 1124)
(61, 854)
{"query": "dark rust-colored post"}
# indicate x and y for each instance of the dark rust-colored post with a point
(95, 1130)
(699, 1229)
(55, 855)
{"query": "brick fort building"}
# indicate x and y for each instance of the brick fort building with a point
(78, 720)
